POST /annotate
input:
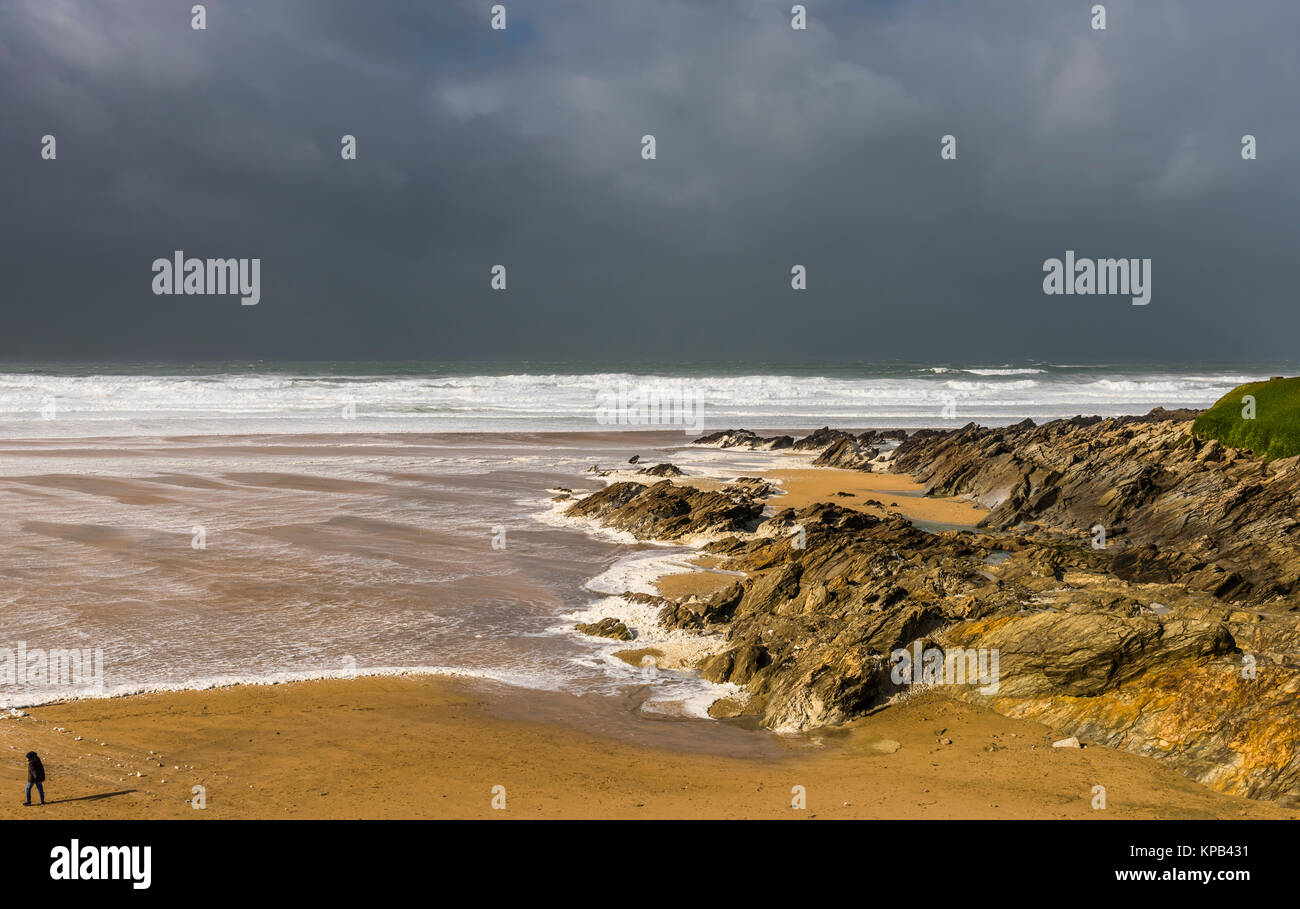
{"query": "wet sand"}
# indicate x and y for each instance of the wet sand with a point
(896, 493)
(425, 747)
(888, 493)
(695, 583)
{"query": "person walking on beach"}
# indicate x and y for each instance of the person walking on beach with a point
(35, 777)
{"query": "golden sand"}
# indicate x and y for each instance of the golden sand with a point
(412, 747)
(896, 493)
(697, 583)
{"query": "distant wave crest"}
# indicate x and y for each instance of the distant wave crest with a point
(51, 404)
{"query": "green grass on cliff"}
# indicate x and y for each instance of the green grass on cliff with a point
(1275, 431)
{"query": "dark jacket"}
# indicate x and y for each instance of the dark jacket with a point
(35, 769)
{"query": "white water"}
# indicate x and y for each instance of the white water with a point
(325, 557)
(47, 404)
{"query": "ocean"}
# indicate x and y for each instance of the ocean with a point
(41, 401)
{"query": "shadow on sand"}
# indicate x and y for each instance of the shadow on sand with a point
(91, 798)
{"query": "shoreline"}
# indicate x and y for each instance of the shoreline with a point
(798, 486)
(513, 713)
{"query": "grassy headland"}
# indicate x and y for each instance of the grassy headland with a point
(1274, 432)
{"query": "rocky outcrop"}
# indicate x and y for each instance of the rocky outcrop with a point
(661, 470)
(664, 511)
(824, 619)
(850, 450)
(849, 453)
(743, 438)
(1168, 641)
(1151, 668)
(838, 447)
(1159, 415)
(698, 613)
(751, 487)
(877, 436)
(1171, 506)
(606, 628)
(821, 438)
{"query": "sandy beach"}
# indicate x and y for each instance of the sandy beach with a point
(873, 493)
(433, 748)
(426, 746)
(861, 490)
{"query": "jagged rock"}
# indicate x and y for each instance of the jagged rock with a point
(1159, 414)
(752, 487)
(606, 628)
(737, 665)
(661, 470)
(645, 599)
(1086, 653)
(822, 438)
(1071, 742)
(1172, 506)
(696, 612)
(1176, 640)
(847, 453)
(743, 438)
(667, 512)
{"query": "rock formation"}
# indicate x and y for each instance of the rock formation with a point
(743, 438)
(849, 453)
(821, 438)
(665, 511)
(1177, 638)
(606, 628)
(1169, 505)
(661, 470)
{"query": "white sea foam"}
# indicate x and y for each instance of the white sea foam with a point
(692, 703)
(36, 698)
(553, 514)
(637, 572)
(670, 691)
(34, 405)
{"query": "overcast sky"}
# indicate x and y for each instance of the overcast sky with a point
(775, 147)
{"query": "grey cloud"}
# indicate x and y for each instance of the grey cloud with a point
(775, 147)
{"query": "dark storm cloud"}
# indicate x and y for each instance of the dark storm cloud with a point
(775, 147)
